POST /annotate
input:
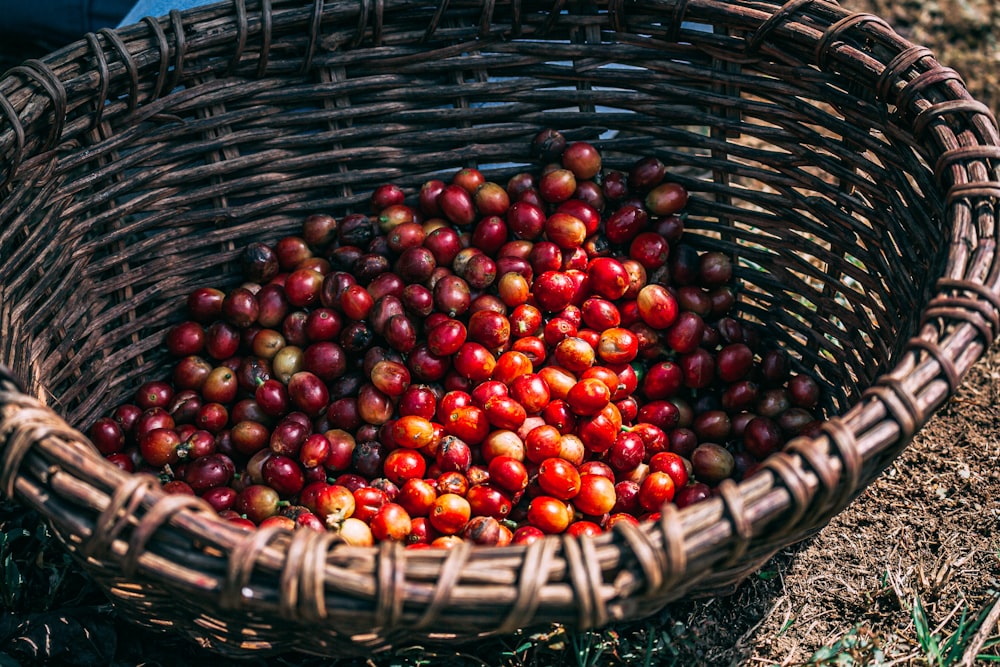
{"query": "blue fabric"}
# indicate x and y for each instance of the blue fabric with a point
(157, 8)
(59, 22)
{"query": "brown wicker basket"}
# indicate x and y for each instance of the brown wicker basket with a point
(852, 175)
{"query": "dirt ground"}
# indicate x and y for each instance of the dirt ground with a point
(927, 530)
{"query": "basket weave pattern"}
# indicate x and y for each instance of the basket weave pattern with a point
(851, 173)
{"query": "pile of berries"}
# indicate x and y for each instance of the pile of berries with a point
(482, 362)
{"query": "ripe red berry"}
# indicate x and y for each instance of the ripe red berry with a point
(486, 363)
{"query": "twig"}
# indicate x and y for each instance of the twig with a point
(987, 627)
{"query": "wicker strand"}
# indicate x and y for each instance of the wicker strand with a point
(616, 15)
(914, 87)
(311, 606)
(359, 33)
(451, 572)
(892, 73)
(782, 15)
(314, 585)
(242, 28)
(293, 572)
(485, 18)
(163, 49)
(825, 46)
(162, 511)
(583, 593)
(949, 108)
(534, 572)
(24, 423)
(130, 67)
(266, 28)
(651, 559)
(948, 159)
(951, 374)
(980, 314)
(515, 17)
(674, 553)
(899, 402)
(43, 75)
(242, 560)
(790, 476)
(977, 190)
(180, 48)
(118, 515)
(435, 20)
(552, 16)
(845, 447)
(12, 420)
(378, 22)
(990, 296)
(585, 578)
(821, 466)
(735, 510)
(102, 76)
(19, 138)
(677, 19)
(390, 579)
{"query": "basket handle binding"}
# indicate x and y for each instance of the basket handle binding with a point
(38, 72)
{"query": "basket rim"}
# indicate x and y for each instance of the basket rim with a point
(808, 483)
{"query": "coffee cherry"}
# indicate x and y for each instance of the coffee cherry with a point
(483, 362)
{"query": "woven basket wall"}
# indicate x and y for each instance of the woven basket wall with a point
(851, 173)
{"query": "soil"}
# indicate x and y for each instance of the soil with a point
(925, 530)
(921, 544)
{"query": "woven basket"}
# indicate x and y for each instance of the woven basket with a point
(852, 175)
